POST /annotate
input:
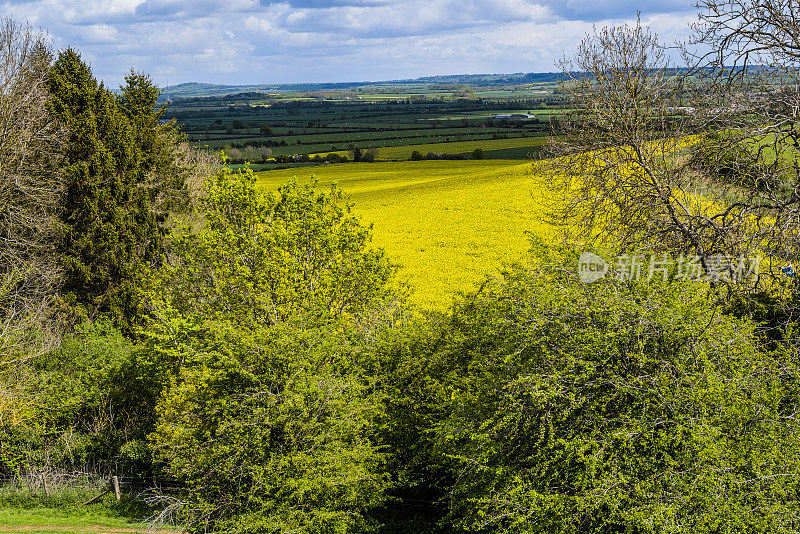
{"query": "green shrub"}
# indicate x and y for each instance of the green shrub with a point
(262, 318)
(266, 258)
(272, 433)
(545, 405)
(80, 405)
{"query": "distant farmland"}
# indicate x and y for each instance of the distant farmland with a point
(448, 223)
(276, 130)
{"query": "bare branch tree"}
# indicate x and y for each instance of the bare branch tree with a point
(747, 54)
(615, 148)
(700, 160)
(30, 189)
(198, 165)
(734, 34)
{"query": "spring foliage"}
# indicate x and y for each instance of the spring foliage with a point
(271, 433)
(550, 406)
(267, 258)
(260, 318)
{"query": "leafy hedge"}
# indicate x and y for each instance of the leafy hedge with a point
(544, 405)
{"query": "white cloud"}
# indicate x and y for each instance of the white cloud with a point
(100, 33)
(415, 17)
(252, 41)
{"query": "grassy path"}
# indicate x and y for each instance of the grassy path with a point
(63, 521)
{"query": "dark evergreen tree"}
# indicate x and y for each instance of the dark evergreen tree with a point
(157, 141)
(109, 230)
(137, 100)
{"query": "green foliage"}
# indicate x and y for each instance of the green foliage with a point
(265, 258)
(546, 405)
(262, 318)
(109, 230)
(79, 407)
(157, 145)
(271, 432)
(416, 155)
(477, 153)
(356, 154)
(369, 155)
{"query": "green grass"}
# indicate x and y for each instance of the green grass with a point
(27, 509)
(83, 520)
(401, 153)
(524, 152)
(447, 223)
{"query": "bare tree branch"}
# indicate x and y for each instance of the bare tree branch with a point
(30, 189)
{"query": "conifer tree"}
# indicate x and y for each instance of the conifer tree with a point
(109, 231)
(159, 143)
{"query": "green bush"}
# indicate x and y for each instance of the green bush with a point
(546, 405)
(266, 258)
(79, 407)
(262, 320)
(272, 433)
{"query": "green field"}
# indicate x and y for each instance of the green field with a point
(447, 223)
(67, 521)
(402, 153)
(278, 128)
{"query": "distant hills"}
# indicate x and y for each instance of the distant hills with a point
(195, 89)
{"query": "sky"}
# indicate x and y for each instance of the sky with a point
(261, 41)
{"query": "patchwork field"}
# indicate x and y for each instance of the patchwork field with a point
(447, 223)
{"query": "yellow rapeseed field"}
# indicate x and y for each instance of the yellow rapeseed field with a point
(447, 223)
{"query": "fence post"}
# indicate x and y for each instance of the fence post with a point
(115, 483)
(44, 484)
(94, 499)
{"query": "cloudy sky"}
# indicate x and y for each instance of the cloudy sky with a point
(262, 41)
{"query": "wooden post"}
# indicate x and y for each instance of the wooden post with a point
(44, 485)
(94, 499)
(113, 485)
